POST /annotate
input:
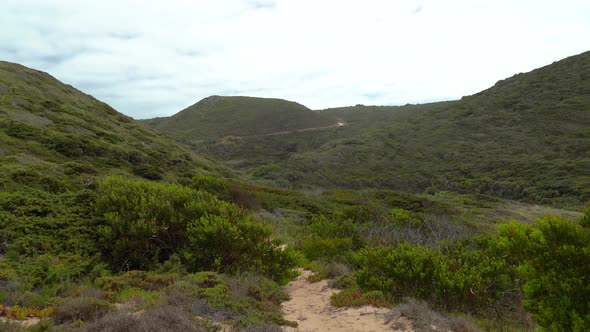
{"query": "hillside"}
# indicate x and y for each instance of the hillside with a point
(106, 225)
(216, 117)
(87, 194)
(51, 128)
(524, 138)
(527, 138)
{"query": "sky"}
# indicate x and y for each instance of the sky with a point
(154, 58)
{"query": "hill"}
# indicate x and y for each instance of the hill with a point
(524, 138)
(86, 244)
(216, 117)
(87, 194)
(527, 137)
(53, 129)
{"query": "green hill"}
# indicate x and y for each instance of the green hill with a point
(216, 117)
(526, 137)
(79, 207)
(87, 244)
(49, 129)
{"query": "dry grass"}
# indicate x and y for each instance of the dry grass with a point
(434, 230)
(425, 319)
(81, 308)
(160, 318)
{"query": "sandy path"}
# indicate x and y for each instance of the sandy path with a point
(337, 125)
(310, 307)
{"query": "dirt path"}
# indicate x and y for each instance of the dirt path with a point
(337, 125)
(310, 307)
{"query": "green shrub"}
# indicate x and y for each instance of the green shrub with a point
(553, 258)
(216, 186)
(585, 220)
(457, 276)
(402, 217)
(318, 248)
(147, 223)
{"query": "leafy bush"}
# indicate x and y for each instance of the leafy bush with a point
(404, 217)
(329, 238)
(457, 276)
(147, 223)
(553, 259)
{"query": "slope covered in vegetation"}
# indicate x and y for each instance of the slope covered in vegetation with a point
(524, 138)
(105, 225)
(216, 117)
(77, 204)
(53, 128)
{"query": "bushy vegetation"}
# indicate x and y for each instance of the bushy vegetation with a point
(551, 259)
(542, 265)
(146, 223)
(230, 118)
(496, 142)
(107, 225)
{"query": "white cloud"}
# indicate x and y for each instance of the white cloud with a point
(152, 58)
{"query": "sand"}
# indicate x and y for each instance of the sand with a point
(310, 307)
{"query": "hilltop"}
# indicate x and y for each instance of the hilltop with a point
(216, 117)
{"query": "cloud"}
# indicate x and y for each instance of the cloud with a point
(417, 10)
(153, 60)
(260, 4)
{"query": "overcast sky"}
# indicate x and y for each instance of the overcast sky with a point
(154, 58)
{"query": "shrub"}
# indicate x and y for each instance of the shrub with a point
(113, 322)
(457, 277)
(355, 297)
(81, 308)
(424, 318)
(329, 238)
(553, 259)
(167, 318)
(343, 282)
(404, 217)
(317, 248)
(148, 223)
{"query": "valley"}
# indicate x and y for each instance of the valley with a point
(260, 214)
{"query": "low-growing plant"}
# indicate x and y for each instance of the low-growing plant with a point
(138, 297)
(424, 318)
(81, 308)
(356, 297)
(19, 313)
(344, 282)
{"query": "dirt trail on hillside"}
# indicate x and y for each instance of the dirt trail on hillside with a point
(337, 125)
(310, 307)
